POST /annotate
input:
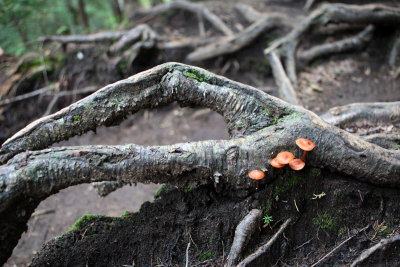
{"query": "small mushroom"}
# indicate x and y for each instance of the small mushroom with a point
(256, 175)
(274, 163)
(296, 164)
(284, 157)
(305, 145)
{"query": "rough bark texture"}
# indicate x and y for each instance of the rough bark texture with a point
(260, 126)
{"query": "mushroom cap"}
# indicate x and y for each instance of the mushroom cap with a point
(297, 164)
(305, 144)
(284, 157)
(276, 164)
(256, 174)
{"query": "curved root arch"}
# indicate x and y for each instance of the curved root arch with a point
(261, 126)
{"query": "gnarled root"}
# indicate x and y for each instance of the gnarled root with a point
(243, 232)
(259, 125)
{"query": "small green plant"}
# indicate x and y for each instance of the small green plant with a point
(324, 221)
(163, 189)
(125, 214)
(206, 255)
(276, 120)
(188, 189)
(267, 219)
(266, 110)
(84, 220)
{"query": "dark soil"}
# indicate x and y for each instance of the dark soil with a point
(158, 235)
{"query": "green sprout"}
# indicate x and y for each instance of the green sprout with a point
(267, 219)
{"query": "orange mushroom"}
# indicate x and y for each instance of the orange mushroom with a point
(274, 163)
(297, 164)
(284, 157)
(256, 175)
(305, 145)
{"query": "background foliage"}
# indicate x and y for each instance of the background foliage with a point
(36, 18)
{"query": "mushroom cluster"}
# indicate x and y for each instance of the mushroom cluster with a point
(287, 158)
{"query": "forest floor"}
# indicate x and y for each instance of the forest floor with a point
(360, 76)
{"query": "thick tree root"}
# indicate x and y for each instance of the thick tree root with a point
(352, 43)
(264, 248)
(367, 114)
(197, 9)
(286, 90)
(260, 126)
(368, 252)
(243, 232)
(238, 41)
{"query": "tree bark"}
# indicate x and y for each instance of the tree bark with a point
(260, 126)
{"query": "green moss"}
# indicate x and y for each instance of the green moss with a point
(289, 184)
(193, 75)
(315, 172)
(163, 189)
(337, 192)
(82, 221)
(324, 221)
(77, 119)
(342, 232)
(188, 189)
(266, 110)
(206, 255)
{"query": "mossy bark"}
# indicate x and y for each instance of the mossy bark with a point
(260, 126)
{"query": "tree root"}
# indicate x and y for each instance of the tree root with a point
(198, 9)
(249, 13)
(351, 43)
(368, 252)
(264, 248)
(247, 226)
(375, 14)
(238, 41)
(368, 114)
(286, 90)
(259, 125)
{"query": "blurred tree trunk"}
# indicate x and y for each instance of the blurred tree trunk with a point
(21, 32)
(83, 14)
(116, 9)
(73, 11)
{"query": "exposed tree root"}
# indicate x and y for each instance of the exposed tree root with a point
(260, 126)
(351, 43)
(264, 248)
(197, 9)
(249, 13)
(368, 252)
(333, 13)
(238, 41)
(364, 113)
(388, 141)
(243, 232)
(286, 90)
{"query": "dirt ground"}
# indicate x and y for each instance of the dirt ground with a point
(337, 80)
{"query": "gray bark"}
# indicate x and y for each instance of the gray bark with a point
(259, 125)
